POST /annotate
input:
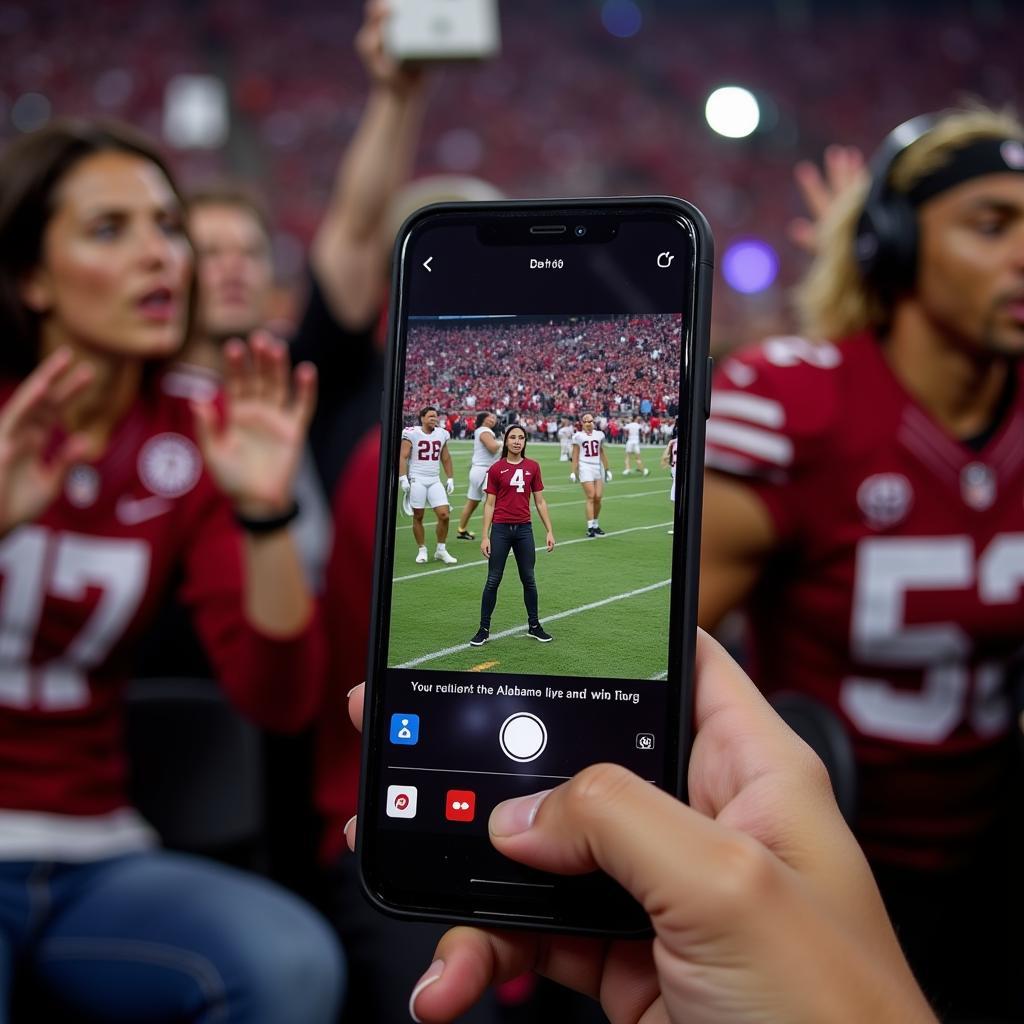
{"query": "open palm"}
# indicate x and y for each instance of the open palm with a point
(253, 450)
(32, 468)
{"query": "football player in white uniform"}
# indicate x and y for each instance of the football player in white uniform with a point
(565, 433)
(424, 450)
(590, 467)
(668, 458)
(486, 449)
(632, 430)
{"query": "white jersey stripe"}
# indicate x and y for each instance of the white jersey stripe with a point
(765, 412)
(760, 444)
(728, 462)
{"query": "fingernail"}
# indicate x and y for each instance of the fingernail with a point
(349, 822)
(514, 816)
(353, 690)
(433, 972)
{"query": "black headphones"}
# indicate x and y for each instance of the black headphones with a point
(886, 238)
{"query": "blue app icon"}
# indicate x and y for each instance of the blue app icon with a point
(405, 729)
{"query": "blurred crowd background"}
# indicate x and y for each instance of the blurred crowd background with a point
(588, 97)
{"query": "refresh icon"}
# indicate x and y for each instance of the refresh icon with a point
(665, 259)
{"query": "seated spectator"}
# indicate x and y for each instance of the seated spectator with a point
(110, 485)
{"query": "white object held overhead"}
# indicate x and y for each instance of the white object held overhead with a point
(443, 29)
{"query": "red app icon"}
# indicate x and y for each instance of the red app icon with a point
(460, 805)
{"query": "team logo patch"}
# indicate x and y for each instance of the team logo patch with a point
(1013, 153)
(82, 486)
(169, 465)
(978, 486)
(885, 499)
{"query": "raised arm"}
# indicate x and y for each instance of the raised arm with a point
(349, 244)
(842, 168)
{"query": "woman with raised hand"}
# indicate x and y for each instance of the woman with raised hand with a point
(113, 487)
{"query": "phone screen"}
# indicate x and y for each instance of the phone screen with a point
(577, 332)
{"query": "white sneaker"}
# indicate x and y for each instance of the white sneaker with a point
(421, 556)
(443, 556)
(625, 472)
(646, 472)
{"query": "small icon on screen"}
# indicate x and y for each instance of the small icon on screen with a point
(405, 729)
(401, 802)
(460, 805)
(665, 259)
(645, 741)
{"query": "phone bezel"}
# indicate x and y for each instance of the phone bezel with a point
(682, 632)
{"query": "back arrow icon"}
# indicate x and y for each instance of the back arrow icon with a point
(426, 264)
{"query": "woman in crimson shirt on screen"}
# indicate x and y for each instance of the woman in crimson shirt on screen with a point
(113, 485)
(510, 482)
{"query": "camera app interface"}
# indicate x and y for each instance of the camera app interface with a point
(531, 569)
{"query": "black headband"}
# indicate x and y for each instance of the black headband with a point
(985, 156)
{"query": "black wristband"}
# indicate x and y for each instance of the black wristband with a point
(269, 525)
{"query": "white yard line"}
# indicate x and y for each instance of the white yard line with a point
(560, 544)
(618, 497)
(547, 618)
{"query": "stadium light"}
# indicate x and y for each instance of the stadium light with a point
(621, 18)
(750, 266)
(196, 112)
(732, 111)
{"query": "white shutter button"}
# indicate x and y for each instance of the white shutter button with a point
(523, 737)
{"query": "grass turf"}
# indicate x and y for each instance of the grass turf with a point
(436, 607)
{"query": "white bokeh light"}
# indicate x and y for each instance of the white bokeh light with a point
(732, 111)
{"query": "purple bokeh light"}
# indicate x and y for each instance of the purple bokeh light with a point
(622, 18)
(750, 266)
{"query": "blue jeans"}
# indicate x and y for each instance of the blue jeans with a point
(160, 936)
(517, 538)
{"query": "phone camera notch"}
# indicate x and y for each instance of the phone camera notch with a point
(579, 231)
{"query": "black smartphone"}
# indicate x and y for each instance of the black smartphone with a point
(537, 350)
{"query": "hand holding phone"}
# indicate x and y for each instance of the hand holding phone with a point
(508, 317)
(772, 914)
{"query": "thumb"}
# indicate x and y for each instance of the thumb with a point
(610, 819)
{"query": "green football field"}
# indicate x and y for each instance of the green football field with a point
(604, 600)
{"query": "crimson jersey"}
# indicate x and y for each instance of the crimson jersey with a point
(513, 483)
(896, 597)
(79, 585)
(348, 599)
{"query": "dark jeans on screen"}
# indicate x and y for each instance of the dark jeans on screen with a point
(517, 538)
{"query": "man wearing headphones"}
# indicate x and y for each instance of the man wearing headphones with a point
(864, 504)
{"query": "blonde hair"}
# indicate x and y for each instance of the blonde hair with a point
(833, 300)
